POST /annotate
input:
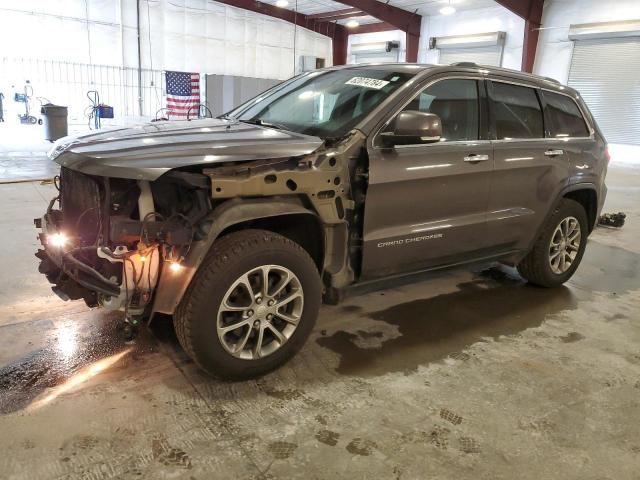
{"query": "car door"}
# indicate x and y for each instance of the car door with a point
(426, 203)
(529, 171)
(569, 132)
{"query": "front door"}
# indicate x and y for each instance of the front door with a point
(426, 203)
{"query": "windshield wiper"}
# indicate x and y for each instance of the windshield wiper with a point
(262, 123)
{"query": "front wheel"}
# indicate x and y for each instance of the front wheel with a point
(251, 306)
(559, 249)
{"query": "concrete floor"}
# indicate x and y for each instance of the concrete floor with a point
(468, 375)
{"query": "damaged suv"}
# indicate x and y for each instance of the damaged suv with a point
(241, 226)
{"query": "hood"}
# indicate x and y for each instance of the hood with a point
(145, 152)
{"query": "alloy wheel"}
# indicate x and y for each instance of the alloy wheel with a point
(564, 245)
(260, 312)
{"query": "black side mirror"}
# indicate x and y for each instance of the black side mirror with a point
(412, 127)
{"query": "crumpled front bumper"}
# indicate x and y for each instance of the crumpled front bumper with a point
(72, 278)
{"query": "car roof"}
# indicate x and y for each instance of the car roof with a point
(464, 67)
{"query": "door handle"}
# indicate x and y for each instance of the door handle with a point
(554, 153)
(476, 158)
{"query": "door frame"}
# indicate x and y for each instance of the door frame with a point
(373, 142)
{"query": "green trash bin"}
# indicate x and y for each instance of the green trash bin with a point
(55, 121)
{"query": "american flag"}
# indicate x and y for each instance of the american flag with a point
(183, 93)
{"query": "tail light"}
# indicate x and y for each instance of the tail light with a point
(607, 154)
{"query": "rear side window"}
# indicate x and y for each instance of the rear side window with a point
(517, 112)
(566, 118)
(455, 101)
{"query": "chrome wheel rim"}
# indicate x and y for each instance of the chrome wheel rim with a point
(260, 312)
(564, 245)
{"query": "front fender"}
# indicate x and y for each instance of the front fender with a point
(172, 285)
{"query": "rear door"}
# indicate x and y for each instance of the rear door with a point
(528, 171)
(568, 131)
(426, 203)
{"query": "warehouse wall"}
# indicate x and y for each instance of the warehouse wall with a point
(394, 35)
(52, 44)
(469, 22)
(210, 37)
(554, 47)
(186, 35)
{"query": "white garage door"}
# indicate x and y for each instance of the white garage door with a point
(606, 72)
(491, 56)
(377, 57)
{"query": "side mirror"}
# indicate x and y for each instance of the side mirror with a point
(412, 127)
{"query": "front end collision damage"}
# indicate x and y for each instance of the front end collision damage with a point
(140, 248)
(318, 185)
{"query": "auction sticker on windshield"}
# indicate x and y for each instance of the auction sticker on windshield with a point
(367, 82)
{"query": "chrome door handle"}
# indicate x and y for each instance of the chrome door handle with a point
(554, 153)
(476, 158)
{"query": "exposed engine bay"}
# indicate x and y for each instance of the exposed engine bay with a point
(106, 241)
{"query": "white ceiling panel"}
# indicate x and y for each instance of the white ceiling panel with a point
(424, 7)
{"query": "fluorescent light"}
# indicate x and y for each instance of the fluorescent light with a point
(352, 23)
(282, 3)
(448, 10)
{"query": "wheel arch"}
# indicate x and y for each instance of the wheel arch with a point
(587, 196)
(281, 215)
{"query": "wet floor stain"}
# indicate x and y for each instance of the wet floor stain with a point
(497, 302)
(608, 269)
(494, 303)
(67, 349)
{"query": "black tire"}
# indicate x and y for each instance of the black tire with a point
(535, 267)
(195, 319)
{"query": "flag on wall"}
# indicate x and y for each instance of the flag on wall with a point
(183, 93)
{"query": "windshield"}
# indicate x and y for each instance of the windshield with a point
(324, 104)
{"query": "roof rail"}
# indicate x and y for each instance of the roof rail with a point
(464, 64)
(552, 80)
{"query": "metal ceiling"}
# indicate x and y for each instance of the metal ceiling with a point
(424, 7)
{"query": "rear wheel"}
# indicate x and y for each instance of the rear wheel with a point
(558, 251)
(251, 305)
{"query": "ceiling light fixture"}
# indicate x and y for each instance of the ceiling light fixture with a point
(282, 3)
(352, 23)
(448, 9)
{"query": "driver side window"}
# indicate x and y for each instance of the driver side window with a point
(455, 101)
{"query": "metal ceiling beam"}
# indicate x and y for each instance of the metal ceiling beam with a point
(408, 22)
(337, 33)
(531, 12)
(335, 15)
(372, 27)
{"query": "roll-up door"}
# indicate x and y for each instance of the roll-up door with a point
(491, 56)
(606, 72)
(480, 48)
(375, 52)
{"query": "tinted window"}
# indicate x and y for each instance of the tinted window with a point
(456, 103)
(326, 104)
(566, 119)
(517, 112)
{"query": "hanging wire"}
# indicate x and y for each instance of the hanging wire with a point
(86, 14)
(295, 34)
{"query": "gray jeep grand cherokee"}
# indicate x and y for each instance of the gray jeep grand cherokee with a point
(240, 226)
